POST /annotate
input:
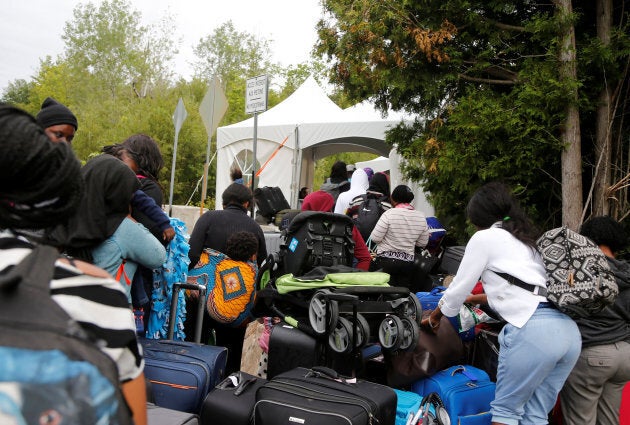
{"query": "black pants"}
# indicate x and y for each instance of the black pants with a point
(400, 271)
(225, 336)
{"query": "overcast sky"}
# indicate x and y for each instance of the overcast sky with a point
(31, 29)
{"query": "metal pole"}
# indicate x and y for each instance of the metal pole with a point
(170, 196)
(251, 207)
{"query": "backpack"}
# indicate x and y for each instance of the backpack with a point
(579, 279)
(333, 188)
(367, 215)
(316, 239)
(51, 371)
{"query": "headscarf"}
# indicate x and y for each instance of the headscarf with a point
(40, 181)
(110, 185)
(379, 184)
(358, 187)
(318, 201)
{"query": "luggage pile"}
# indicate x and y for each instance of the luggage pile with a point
(327, 358)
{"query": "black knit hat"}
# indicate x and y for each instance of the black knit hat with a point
(54, 113)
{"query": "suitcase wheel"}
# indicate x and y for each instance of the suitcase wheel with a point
(318, 308)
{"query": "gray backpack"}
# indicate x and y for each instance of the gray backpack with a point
(579, 279)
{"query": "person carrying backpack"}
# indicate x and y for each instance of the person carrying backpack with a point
(68, 344)
(365, 210)
(338, 181)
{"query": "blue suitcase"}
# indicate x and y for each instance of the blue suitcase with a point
(407, 405)
(429, 301)
(182, 373)
(465, 390)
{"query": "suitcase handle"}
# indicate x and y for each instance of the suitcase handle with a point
(437, 290)
(465, 372)
(200, 311)
(329, 373)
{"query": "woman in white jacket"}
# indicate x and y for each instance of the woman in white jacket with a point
(539, 345)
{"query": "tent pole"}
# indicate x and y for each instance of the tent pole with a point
(297, 169)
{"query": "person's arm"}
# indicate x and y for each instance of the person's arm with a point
(135, 392)
(262, 247)
(147, 206)
(197, 238)
(378, 233)
(423, 237)
(141, 246)
(361, 251)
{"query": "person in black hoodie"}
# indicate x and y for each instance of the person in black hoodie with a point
(592, 392)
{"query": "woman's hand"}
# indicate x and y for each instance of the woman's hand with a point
(168, 234)
(432, 321)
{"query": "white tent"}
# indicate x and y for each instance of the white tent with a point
(294, 134)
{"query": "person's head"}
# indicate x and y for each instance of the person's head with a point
(494, 202)
(40, 181)
(350, 169)
(606, 231)
(145, 152)
(402, 194)
(237, 194)
(121, 153)
(242, 246)
(338, 171)
(318, 201)
(380, 183)
(236, 175)
(58, 121)
(303, 192)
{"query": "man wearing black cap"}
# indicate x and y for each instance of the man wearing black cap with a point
(58, 121)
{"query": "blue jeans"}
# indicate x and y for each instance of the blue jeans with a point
(534, 362)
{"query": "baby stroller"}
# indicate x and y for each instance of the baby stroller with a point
(311, 285)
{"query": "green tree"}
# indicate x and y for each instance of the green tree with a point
(17, 92)
(483, 78)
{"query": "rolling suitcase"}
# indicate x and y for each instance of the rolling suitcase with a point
(289, 348)
(157, 415)
(321, 396)
(182, 373)
(232, 401)
(429, 301)
(270, 200)
(465, 390)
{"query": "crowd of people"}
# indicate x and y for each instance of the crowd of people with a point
(105, 218)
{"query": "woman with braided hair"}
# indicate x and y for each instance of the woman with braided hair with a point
(40, 186)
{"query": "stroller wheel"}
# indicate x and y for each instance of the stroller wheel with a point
(413, 309)
(390, 333)
(363, 334)
(411, 333)
(318, 307)
(340, 339)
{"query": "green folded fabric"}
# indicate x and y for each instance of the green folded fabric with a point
(289, 283)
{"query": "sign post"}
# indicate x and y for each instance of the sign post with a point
(212, 109)
(179, 116)
(256, 94)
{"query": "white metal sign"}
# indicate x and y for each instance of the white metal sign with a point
(256, 94)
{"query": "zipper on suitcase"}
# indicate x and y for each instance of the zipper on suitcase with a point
(353, 399)
(318, 412)
(372, 406)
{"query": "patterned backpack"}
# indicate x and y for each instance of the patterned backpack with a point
(579, 280)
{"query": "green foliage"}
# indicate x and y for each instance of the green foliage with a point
(482, 78)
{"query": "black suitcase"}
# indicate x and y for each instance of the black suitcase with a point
(314, 396)
(182, 373)
(290, 348)
(317, 239)
(232, 401)
(451, 257)
(270, 200)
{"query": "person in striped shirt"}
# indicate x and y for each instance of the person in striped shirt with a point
(397, 233)
(40, 187)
